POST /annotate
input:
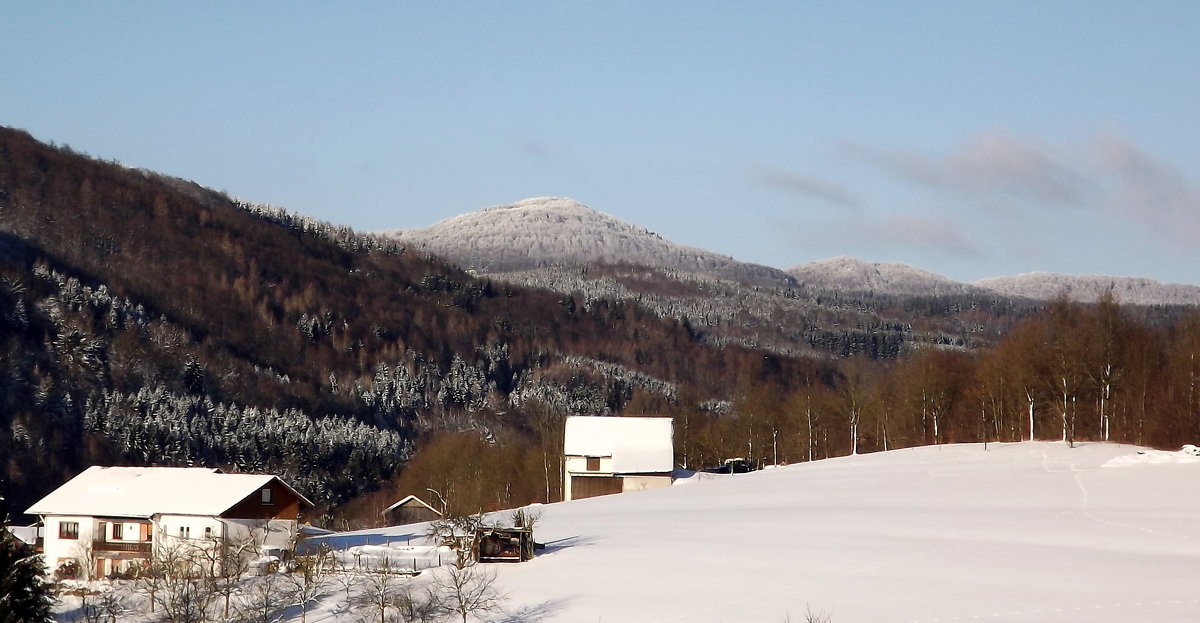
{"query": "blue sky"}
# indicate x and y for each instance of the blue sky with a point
(973, 139)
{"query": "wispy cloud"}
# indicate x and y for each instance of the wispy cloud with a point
(902, 236)
(534, 148)
(996, 168)
(921, 232)
(804, 185)
(1152, 192)
(1109, 176)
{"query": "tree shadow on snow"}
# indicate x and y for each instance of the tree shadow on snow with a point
(561, 544)
(544, 611)
(345, 541)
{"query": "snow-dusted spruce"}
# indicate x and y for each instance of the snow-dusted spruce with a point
(344, 237)
(24, 595)
(788, 320)
(320, 455)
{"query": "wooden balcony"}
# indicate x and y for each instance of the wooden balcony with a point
(132, 547)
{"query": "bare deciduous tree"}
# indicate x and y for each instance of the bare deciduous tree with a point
(468, 590)
(177, 581)
(309, 578)
(224, 561)
(460, 533)
(263, 600)
(106, 607)
(526, 517)
(379, 593)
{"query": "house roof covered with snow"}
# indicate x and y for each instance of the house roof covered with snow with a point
(147, 491)
(636, 444)
(411, 500)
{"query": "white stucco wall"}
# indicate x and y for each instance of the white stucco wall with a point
(59, 550)
(641, 483)
(578, 465)
(168, 537)
(268, 534)
(167, 529)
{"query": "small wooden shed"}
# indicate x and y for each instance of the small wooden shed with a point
(410, 510)
(505, 544)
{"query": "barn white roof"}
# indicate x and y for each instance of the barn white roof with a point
(411, 498)
(636, 444)
(147, 491)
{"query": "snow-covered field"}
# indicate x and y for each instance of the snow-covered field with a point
(1020, 532)
(1033, 532)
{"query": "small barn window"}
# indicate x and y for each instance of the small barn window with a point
(593, 463)
(68, 530)
(266, 496)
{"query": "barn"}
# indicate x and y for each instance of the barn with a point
(410, 510)
(604, 455)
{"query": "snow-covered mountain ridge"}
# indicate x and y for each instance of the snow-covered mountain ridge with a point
(847, 273)
(1136, 290)
(553, 230)
(557, 231)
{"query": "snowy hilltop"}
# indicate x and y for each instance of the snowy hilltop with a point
(1089, 288)
(559, 231)
(847, 273)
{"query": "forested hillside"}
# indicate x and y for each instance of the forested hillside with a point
(144, 319)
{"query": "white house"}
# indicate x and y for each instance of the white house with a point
(109, 519)
(603, 455)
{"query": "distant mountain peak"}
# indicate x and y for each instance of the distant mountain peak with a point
(848, 273)
(1089, 288)
(542, 231)
(543, 203)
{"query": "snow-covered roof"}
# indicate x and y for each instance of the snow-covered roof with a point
(411, 498)
(28, 534)
(636, 444)
(147, 491)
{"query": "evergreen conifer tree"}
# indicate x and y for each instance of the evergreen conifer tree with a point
(24, 595)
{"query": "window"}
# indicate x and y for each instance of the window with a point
(208, 532)
(68, 529)
(185, 532)
(118, 530)
(593, 463)
(266, 496)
